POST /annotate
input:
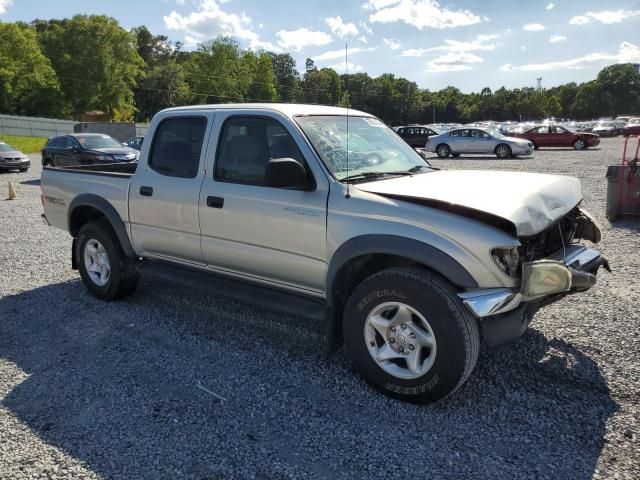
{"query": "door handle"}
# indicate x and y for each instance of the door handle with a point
(146, 191)
(215, 202)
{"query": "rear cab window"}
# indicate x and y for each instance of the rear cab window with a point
(177, 146)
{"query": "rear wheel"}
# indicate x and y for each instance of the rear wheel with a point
(409, 335)
(105, 269)
(443, 150)
(579, 144)
(503, 151)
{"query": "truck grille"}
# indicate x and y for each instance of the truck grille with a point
(553, 238)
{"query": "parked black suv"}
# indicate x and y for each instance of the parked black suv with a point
(416, 135)
(85, 149)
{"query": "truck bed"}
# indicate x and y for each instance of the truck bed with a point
(61, 185)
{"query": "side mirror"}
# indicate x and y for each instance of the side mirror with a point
(286, 173)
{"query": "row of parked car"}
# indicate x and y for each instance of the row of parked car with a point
(512, 139)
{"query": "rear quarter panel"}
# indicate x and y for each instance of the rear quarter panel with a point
(60, 187)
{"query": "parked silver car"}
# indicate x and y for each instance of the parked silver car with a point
(477, 140)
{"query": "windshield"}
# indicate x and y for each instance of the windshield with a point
(98, 141)
(373, 148)
(4, 147)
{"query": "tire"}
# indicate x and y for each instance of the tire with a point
(122, 276)
(433, 304)
(455, 155)
(443, 150)
(580, 144)
(503, 151)
(535, 147)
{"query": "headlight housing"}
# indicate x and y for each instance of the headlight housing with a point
(507, 259)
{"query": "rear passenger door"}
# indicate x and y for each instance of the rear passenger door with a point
(249, 229)
(165, 189)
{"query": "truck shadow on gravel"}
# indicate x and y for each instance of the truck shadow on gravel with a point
(117, 387)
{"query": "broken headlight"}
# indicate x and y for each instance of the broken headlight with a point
(507, 260)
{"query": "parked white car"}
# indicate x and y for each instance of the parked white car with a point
(477, 140)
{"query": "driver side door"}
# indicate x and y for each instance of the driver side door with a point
(277, 235)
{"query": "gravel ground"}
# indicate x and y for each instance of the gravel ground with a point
(95, 390)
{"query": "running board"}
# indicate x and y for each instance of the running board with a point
(248, 292)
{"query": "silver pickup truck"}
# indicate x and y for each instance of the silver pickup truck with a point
(325, 212)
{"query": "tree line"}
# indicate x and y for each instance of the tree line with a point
(63, 68)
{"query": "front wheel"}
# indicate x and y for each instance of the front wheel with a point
(443, 150)
(105, 269)
(579, 144)
(409, 335)
(503, 151)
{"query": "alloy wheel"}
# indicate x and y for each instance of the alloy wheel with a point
(400, 340)
(96, 262)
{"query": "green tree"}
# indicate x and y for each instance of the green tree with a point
(28, 83)
(96, 61)
(620, 85)
(322, 87)
(554, 107)
(215, 73)
(263, 85)
(164, 83)
(286, 77)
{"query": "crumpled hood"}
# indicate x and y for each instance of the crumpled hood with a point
(530, 201)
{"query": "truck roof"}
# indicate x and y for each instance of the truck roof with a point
(288, 109)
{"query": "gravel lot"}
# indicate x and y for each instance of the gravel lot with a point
(95, 390)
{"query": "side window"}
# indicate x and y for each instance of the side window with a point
(475, 133)
(466, 133)
(177, 145)
(55, 143)
(246, 146)
(482, 134)
(67, 142)
(401, 132)
(455, 133)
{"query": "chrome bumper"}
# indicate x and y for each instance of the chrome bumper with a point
(570, 270)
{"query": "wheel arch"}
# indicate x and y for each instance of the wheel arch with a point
(88, 207)
(363, 256)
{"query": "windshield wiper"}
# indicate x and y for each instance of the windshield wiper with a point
(376, 175)
(367, 176)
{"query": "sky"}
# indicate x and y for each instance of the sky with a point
(467, 44)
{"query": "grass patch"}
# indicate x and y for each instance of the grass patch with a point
(24, 144)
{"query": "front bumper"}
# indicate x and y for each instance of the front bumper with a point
(568, 271)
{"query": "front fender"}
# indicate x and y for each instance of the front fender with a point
(415, 250)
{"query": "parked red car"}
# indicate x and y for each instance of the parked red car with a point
(557, 136)
(632, 127)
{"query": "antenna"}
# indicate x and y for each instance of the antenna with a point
(346, 72)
